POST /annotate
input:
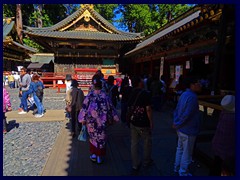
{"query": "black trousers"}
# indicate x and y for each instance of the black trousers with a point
(4, 122)
(75, 125)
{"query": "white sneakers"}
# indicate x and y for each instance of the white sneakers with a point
(22, 112)
(38, 115)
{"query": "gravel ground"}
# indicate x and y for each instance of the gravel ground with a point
(27, 146)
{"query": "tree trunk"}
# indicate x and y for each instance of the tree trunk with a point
(19, 22)
(39, 20)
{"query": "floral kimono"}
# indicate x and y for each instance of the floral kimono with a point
(98, 112)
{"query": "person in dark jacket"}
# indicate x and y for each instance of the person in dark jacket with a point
(112, 91)
(187, 124)
(141, 126)
(125, 91)
(76, 105)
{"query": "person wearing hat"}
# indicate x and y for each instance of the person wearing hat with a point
(68, 82)
(68, 99)
(187, 123)
(77, 98)
(97, 113)
(223, 143)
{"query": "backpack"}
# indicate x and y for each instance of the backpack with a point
(39, 91)
(136, 113)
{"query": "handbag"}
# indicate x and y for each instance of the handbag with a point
(83, 134)
(134, 112)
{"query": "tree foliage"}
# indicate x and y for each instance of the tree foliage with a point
(148, 18)
(106, 10)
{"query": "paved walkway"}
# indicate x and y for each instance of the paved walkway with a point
(50, 115)
(70, 157)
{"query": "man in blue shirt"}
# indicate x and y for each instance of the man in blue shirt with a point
(187, 124)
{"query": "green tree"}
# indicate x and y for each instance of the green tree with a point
(106, 10)
(71, 8)
(148, 18)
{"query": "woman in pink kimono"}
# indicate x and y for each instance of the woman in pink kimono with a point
(97, 113)
(6, 107)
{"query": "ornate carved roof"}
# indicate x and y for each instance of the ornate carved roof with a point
(86, 24)
(12, 49)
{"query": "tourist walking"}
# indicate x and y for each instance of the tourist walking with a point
(76, 105)
(68, 82)
(112, 91)
(16, 79)
(156, 92)
(36, 88)
(6, 107)
(97, 113)
(125, 91)
(11, 80)
(224, 140)
(163, 89)
(141, 124)
(25, 80)
(187, 123)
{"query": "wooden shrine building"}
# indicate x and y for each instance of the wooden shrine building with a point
(200, 42)
(14, 52)
(84, 40)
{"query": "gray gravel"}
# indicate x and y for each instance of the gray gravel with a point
(27, 146)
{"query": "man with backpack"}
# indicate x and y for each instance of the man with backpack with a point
(141, 124)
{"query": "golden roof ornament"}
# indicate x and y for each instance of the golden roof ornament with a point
(85, 5)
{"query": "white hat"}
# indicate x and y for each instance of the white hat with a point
(228, 103)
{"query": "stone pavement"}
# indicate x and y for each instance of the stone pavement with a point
(50, 115)
(70, 157)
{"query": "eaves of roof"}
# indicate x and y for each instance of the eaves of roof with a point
(165, 31)
(85, 35)
(7, 27)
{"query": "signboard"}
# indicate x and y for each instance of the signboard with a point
(187, 64)
(206, 59)
(19, 68)
(178, 72)
(161, 66)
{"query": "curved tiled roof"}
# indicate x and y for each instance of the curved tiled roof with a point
(7, 27)
(86, 35)
(54, 30)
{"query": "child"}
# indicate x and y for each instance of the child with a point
(6, 107)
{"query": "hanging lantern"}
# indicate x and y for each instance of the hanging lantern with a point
(206, 15)
(211, 12)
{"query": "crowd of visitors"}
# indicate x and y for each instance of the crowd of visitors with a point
(136, 97)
